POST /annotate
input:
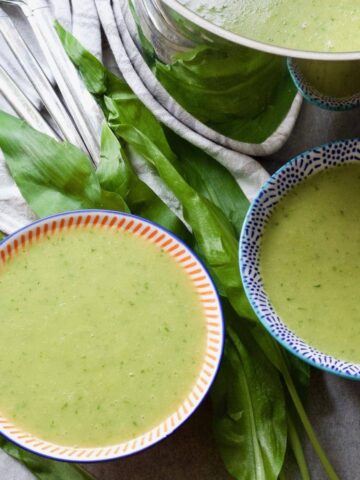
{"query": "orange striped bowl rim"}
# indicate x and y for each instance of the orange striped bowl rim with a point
(202, 283)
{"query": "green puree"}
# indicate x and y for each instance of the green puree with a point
(314, 25)
(310, 261)
(101, 338)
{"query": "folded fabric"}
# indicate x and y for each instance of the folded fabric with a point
(7, 59)
(249, 174)
(129, 35)
(80, 16)
(12, 470)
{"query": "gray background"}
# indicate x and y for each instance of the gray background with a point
(333, 405)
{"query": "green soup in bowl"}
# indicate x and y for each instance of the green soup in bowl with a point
(111, 334)
(312, 25)
(300, 256)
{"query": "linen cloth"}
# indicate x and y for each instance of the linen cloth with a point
(82, 17)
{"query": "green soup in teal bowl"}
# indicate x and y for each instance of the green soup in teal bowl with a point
(300, 256)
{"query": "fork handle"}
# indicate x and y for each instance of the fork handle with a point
(40, 82)
(81, 105)
(22, 106)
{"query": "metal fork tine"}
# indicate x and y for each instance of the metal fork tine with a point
(22, 106)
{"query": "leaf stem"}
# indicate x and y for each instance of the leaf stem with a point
(332, 475)
(258, 466)
(297, 449)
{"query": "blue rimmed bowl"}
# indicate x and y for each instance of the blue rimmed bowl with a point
(279, 184)
(323, 84)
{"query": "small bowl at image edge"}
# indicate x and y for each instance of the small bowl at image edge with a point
(202, 283)
(281, 182)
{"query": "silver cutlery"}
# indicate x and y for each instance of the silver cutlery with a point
(22, 106)
(80, 104)
(65, 111)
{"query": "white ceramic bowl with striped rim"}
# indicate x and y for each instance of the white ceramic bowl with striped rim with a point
(202, 283)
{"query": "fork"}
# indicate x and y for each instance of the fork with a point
(71, 123)
(22, 106)
(40, 83)
(82, 107)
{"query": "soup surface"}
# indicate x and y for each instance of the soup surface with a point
(310, 261)
(313, 25)
(102, 336)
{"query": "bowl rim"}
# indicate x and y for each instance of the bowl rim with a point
(314, 96)
(256, 44)
(243, 236)
(131, 219)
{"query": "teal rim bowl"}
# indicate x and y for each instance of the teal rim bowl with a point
(291, 174)
(314, 96)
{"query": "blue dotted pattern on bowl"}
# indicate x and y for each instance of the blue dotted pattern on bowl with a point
(280, 183)
(315, 97)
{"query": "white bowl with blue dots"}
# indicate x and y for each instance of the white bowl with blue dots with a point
(314, 96)
(295, 171)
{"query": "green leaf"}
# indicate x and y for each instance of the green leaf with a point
(242, 408)
(241, 93)
(113, 171)
(106, 87)
(295, 433)
(42, 468)
(52, 176)
(117, 173)
(93, 70)
(210, 179)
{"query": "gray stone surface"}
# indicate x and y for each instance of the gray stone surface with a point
(334, 403)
